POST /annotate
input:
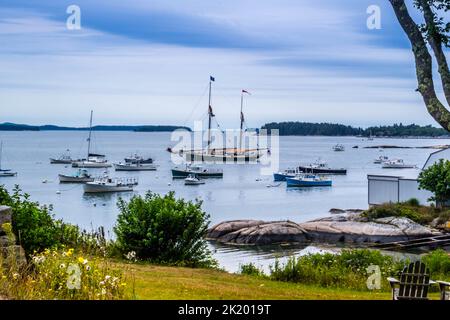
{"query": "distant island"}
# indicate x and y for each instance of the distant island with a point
(334, 129)
(7, 126)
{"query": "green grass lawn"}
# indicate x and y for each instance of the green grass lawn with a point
(166, 283)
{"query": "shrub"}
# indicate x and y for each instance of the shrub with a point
(393, 210)
(436, 178)
(251, 269)
(36, 229)
(439, 263)
(163, 229)
(413, 202)
(347, 269)
(63, 274)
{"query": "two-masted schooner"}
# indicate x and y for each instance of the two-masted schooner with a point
(212, 154)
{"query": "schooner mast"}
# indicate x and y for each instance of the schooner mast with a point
(242, 118)
(210, 112)
(90, 135)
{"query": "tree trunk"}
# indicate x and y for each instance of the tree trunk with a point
(424, 68)
(434, 39)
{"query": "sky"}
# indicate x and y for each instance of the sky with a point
(149, 62)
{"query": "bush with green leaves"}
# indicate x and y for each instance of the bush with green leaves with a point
(164, 229)
(436, 179)
(347, 269)
(36, 229)
(251, 269)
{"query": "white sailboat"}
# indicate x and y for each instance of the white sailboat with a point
(5, 172)
(221, 155)
(93, 160)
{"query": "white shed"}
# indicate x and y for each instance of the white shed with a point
(385, 189)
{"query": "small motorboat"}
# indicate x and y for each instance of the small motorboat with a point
(107, 184)
(339, 147)
(282, 175)
(135, 158)
(308, 180)
(62, 159)
(193, 180)
(321, 167)
(381, 160)
(201, 172)
(137, 166)
(397, 164)
(7, 173)
(81, 176)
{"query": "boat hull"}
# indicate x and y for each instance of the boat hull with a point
(59, 161)
(390, 166)
(72, 179)
(147, 167)
(323, 170)
(99, 188)
(221, 158)
(85, 164)
(282, 176)
(8, 174)
(178, 174)
(305, 183)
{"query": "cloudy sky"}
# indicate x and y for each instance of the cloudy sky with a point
(149, 61)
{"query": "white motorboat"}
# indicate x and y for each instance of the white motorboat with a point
(107, 184)
(134, 166)
(397, 164)
(136, 158)
(81, 176)
(199, 171)
(193, 180)
(93, 160)
(381, 159)
(62, 159)
(5, 172)
(339, 147)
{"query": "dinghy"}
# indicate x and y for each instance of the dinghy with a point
(193, 180)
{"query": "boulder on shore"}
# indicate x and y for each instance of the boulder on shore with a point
(338, 228)
(255, 232)
(353, 230)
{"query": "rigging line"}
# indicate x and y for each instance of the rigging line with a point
(196, 105)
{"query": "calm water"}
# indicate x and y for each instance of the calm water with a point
(241, 194)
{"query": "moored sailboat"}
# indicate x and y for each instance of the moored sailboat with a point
(5, 172)
(93, 160)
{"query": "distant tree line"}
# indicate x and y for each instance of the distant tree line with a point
(334, 129)
(145, 128)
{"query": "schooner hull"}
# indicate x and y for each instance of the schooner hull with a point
(221, 158)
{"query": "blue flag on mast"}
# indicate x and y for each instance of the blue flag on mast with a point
(212, 78)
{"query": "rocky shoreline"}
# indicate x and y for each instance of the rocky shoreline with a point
(344, 226)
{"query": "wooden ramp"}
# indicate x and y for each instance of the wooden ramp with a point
(433, 242)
